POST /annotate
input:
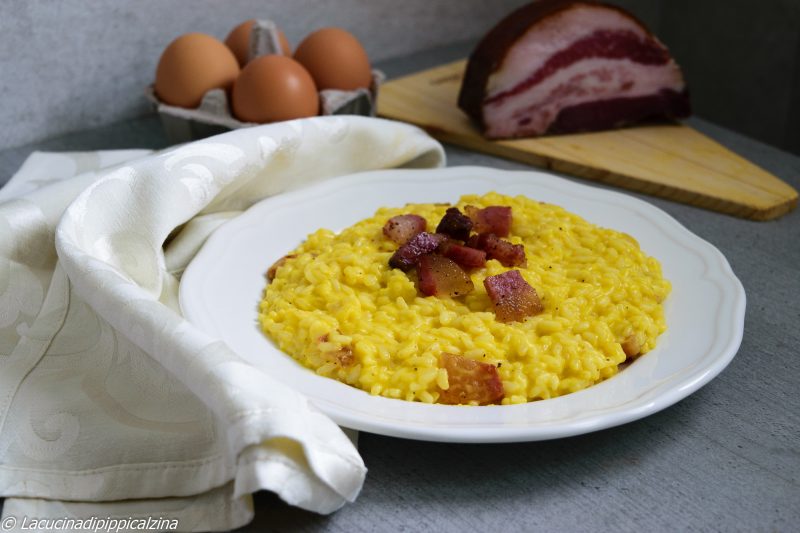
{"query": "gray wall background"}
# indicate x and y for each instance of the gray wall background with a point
(72, 65)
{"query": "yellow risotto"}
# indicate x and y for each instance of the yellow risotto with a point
(337, 307)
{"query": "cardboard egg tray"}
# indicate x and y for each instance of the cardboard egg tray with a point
(214, 116)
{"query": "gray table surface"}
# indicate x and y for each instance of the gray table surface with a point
(727, 458)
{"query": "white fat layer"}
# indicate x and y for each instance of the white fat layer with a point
(553, 34)
(585, 81)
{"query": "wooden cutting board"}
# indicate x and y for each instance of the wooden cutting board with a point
(670, 161)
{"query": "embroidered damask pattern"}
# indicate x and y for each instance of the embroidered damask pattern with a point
(106, 392)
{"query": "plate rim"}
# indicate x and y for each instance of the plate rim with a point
(686, 384)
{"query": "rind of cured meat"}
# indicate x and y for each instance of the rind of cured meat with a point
(440, 276)
(407, 256)
(493, 219)
(470, 381)
(496, 248)
(402, 228)
(455, 224)
(512, 297)
(569, 65)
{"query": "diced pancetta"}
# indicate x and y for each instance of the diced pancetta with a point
(463, 255)
(512, 297)
(470, 381)
(407, 256)
(455, 224)
(440, 276)
(493, 219)
(508, 254)
(402, 228)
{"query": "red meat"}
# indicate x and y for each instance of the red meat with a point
(455, 224)
(402, 228)
(407, 256)
(496, 248)
(493, 219)
(470, 381)
(439, 276)
(512, 297)
(561, 66)
(463, 255)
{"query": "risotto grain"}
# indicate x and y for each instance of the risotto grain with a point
(338, 308)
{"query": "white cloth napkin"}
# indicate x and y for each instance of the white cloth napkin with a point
(106, 393)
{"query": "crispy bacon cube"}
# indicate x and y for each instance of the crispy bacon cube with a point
(402, 228)
(493, 219)
(407, 256)
(508, 254)
(455, 224)
(463, 255)
(439, 276)
(469, 381)
(512, 297)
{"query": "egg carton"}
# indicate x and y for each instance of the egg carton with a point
(214, 116)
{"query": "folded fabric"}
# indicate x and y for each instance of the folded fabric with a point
(106, 392)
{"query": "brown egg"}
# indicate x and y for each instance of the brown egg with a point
(335, 59)
(238, 40)
(274, 87)
(192, 65)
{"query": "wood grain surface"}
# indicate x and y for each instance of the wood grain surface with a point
(672, 161)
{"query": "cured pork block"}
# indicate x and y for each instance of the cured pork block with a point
(563, 66)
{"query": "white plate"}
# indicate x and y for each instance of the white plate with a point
(222, 286)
